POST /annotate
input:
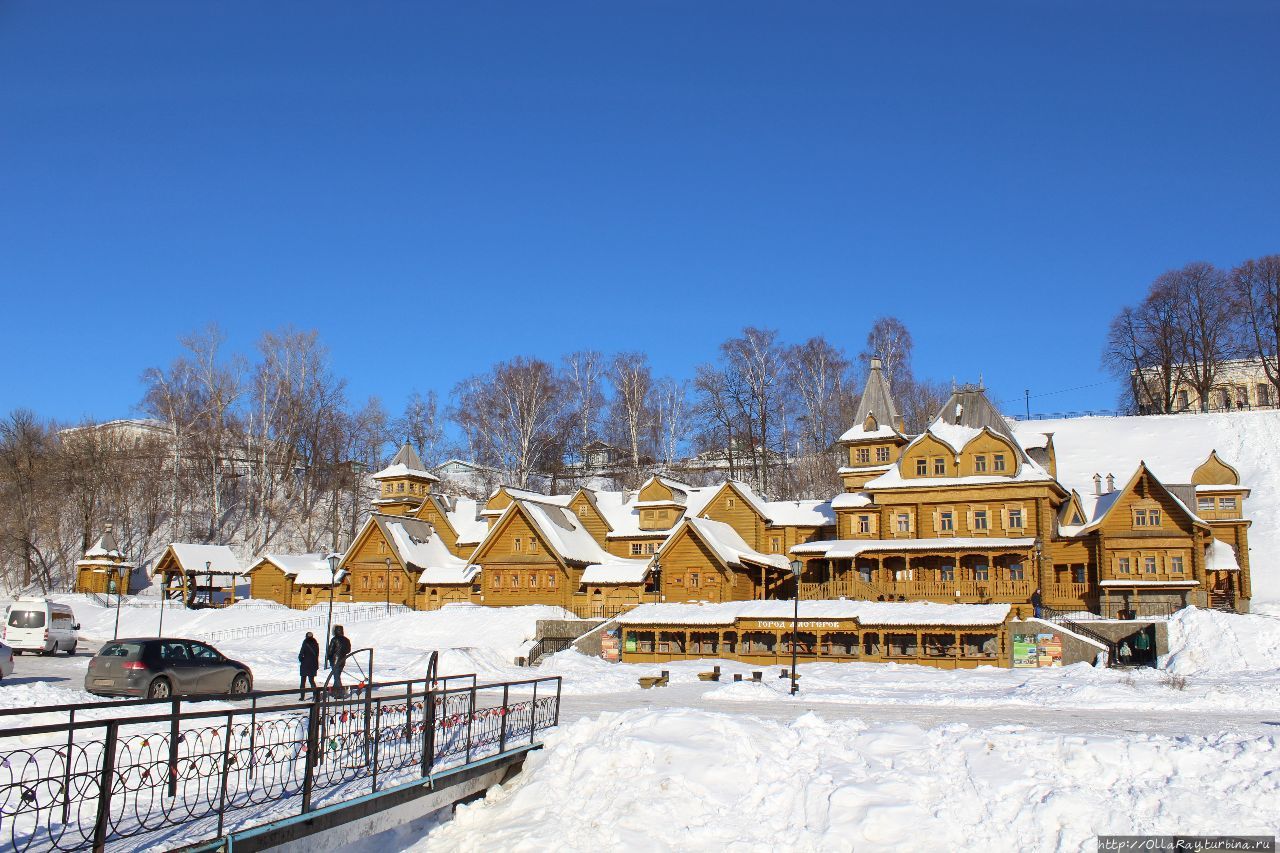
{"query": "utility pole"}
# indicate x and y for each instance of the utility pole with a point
(1027, 395)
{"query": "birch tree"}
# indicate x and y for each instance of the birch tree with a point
(632, 408)
(512, 416)
(584, 375)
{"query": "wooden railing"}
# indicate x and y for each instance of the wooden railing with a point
(961, 590)
(1067, 592)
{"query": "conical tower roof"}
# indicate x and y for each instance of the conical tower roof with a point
(876, 402)
(405, 463)
(106, 546)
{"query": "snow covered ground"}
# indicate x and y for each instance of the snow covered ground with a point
(868, 757)
(697, 780)
(1172, 446)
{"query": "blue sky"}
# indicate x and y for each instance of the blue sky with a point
(438, 186)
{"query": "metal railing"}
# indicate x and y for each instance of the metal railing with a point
(350, 613)
(599, 611)
(1072, 623)
(181, 776)
(548, 646)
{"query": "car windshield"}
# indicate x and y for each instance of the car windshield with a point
(26, 619)
(121, 650)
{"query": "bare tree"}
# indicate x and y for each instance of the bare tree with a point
(631, 411)
(671, 421)
(890, 341)
(584, 374)
(511, 416)
(1206, 322)
(219, 384)
(755, 361)
(715, 414)
(1256, 285)
(421, 426)
(816, 372)
(920, 402)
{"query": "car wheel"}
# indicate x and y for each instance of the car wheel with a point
(240, 685)
(71, 650)
(159, 689)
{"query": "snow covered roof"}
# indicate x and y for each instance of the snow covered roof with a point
(1028, 472)
(1220, 557)
(445, 575)
(562, 532)
(621, 510)
(465, 517)
(405, 464)
(728, 546)
(291, 564)
(417, 547)
(856, 433)
(969, 407)
(851, 500)
(193, 558)
(844, 548)
(865, 612)
(617, 570)
(875, 402)
(319, 577)
(105, 546)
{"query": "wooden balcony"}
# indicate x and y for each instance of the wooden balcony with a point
(961, 591)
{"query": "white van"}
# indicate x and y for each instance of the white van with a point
(40, 625)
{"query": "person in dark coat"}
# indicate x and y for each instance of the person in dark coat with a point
(1037, 603)
(336, 657)
(308, 664)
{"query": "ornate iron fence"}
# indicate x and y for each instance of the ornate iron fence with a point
(185, 775)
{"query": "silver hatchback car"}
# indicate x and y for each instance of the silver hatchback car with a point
(158, 668)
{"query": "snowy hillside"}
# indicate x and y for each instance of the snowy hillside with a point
(1172, 446)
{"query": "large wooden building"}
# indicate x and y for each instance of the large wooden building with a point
(966, 512)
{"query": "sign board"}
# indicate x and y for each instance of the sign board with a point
(1033, 651)
(609, 646)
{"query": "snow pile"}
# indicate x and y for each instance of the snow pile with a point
(1208, 642)
(680, 779)
(1173, 446)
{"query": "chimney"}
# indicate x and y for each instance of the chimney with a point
(1097, 484)
(1111, 483)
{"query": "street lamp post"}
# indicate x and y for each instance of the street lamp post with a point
(164, 593)
(115, 634)
(333, 559)
(796, 568)
(388, 586)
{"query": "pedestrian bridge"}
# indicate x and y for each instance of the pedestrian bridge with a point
(263, 771)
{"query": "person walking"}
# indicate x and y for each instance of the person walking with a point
(1036, 604)
(336, 658)
(1126, 654)
(308, 665)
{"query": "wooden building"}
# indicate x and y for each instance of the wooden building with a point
(103, 568)
(966, 512)
(391, 554)
(297, 580)
(199, 574)
(947, 636)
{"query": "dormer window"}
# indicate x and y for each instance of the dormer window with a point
(922, 467)
(1227, 503)
(882, 454)
(730, 503)
(1205, 504)
(401, 488)
(997, 462)
(864, 455)
(980, 464)
(939, 466)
